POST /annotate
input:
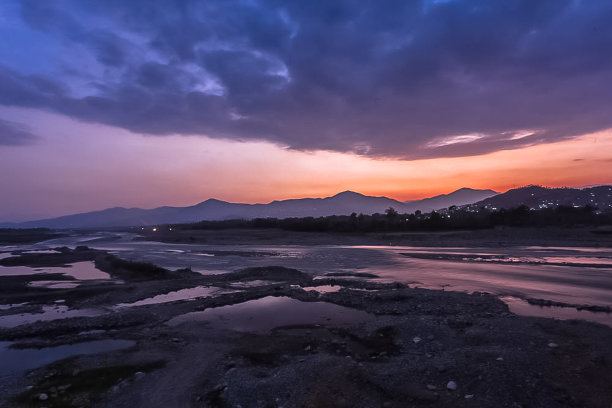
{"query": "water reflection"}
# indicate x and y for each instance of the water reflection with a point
(269, 312)
(85, 270)
(16, 360)
(522, 307)
(48, 313)
(183, 294)
(323, 288)
(253, 284)
(552, 273)
(5, 255)
(53, 284)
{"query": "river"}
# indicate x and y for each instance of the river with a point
(572, 275)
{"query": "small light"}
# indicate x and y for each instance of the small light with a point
(154, 229)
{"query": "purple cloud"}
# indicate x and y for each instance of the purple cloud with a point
(402, 79)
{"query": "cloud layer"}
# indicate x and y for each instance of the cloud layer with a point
(393, 78)
(14, 134)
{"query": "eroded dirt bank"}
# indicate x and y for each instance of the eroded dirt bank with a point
(261, 339)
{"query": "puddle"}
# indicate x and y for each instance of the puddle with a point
(323, 288)
(48, 313)
(16, 360)
(13, 305)
(364, 289)
(85, 270)
(269, 312)
(254, 283)
(523, 308)
(183, 294)
(23, 270)
(53, 284)
(206, 272)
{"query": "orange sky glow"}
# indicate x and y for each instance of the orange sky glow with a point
(133, 170)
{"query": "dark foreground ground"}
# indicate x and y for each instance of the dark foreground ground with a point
(493, 237)
(411, 347)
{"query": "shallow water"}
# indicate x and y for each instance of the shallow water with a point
(41, 251)
(53, 284)
(323, 288)
(253, 283)
(269, 312)
(552, 273)
(49, 313)
(12, 305)
(17, 360)
(85, 270)
(522, 307)
(5, 255)
(183, 294)
(23, 270)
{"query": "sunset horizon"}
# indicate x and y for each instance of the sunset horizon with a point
(306, 204)
(112, 105)
(181, 170)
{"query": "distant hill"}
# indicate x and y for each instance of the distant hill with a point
(343, 203)
(460, 197)
(537, 197)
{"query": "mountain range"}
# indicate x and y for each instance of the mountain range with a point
(343, 203)
(347, 202)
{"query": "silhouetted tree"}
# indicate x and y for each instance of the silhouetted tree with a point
(391, 213)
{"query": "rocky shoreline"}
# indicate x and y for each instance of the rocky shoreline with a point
(364, 344)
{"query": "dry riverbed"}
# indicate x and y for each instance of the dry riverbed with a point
(274, 336)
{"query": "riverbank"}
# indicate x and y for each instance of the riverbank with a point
(273, 336)
(495, 237)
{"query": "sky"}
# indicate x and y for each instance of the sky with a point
(170, 102)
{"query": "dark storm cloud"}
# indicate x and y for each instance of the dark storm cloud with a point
(393, 78)
(14, 134)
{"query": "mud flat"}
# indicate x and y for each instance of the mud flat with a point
(257, 338)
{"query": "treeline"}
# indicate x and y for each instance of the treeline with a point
(27, 235)
(391, 220)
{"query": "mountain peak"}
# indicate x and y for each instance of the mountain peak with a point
(463, 190)
(348, 193)
(211, 201)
